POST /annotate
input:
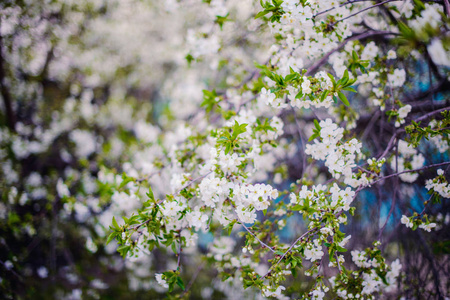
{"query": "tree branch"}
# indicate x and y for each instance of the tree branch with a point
(261, 242)
(361, 36)
(7, 100)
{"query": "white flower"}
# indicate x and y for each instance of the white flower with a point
(405, 220)
(42, 272)
(317, 294)
(397, 78)
(370, 51)
(246, 215)
(85, 142)
(391, 54)
(427, 227)
(403, 112)
(314, 251)
(437, 52)
(171, 208)
(276, 293)
(161, 281)
(196, 219)
(306, 86)
(62, 189)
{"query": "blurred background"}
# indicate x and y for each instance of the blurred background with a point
(86, 85)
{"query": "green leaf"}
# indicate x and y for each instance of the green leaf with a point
(230, 227)
(299, 95)
(222, 139)
(382, 276)
(290, 77)
(209, 100)
(315, 135)
(346, 74)
(316, 124)
(332, 79)
(405, 30)
(324, 95)
(294, 263)
(247, 283)
(111, 237)
(343, 98)
(294, 272)
(125, 180)
(150, 194)
(340, 249)
(419, 4)
(350, 89)
(227, 148)
(220, 20)
(238, 129)
(115, 223)
(189, 58)
(123, 250)
(352, 210)
(262, 13)
(180, 283)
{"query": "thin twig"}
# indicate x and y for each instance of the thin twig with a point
(338, 263)
(432, 113)
(303, 142)
(371, 124)
(361, 36)
(389, 146)
(363, 10)
(12, 271)
(179, 256)
(146, 178)
(367, 171)
(7, 99)
(191, 282)
(261, 242)
(394, 197)
(426, 204)
(409, 171)
(289, 250)
(343, 4)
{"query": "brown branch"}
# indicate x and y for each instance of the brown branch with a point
(11, 119)
(289, 250)
(361, 36)
(432, 113)
(363, 10)
(429, 256)
(343, 4)
(191, 282)
(303, 142)
(394, 197)
(179, 256)
(410, 171)
(447, 8)
(11, 270)
(261, 242)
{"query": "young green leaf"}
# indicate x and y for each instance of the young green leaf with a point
(343, 98)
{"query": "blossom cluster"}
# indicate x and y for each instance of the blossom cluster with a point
(439, 185)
